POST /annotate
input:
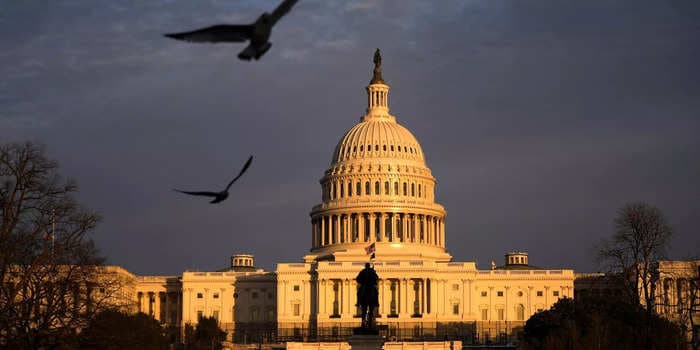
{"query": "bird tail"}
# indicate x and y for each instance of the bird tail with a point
(248, 53)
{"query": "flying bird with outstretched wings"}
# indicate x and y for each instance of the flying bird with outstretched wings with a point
(258, 33)
(219, 196)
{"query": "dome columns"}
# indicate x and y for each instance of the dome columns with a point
(377, 100)
(372, 226)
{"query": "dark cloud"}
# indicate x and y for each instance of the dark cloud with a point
(539, 119)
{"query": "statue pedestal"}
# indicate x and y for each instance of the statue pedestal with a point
(366, 340)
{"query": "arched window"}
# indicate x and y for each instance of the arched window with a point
(369, 148)
(367, 189)
(376, 187)
(376, 147)
(335, 191)
(358, 188)
(520, 312)
(386, 187)
(405, 189)
(384, 147)
(349, 189)
(399, 148)
(420, 191)
(392, 148)
(413, 190)
(354, 149)
(361, 147)
(342, 190)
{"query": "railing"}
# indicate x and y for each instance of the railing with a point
(476, 332)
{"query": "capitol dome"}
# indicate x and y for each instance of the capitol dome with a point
(378, 193)
(378, 137)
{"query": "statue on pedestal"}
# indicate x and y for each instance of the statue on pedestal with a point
(367, 296)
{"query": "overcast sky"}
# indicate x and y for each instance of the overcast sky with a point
(538, 118)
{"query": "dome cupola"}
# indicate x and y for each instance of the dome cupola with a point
(378, 190)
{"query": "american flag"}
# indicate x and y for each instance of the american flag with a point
(370, 249)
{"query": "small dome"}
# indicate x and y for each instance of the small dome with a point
(378, 137)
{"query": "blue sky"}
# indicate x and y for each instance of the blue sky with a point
(539, 118)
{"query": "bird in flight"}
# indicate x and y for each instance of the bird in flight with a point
(258, 33)
(219, 196)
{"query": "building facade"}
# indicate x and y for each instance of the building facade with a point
(378, 204)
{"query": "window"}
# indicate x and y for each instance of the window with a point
(367, 190)
(420, 191)
(376, 187)
(216, 296)
(297, 309)
(413, 190)
(199, 296)
(254, 295)
(358, 188)
(555, 293)
(384, 148)
(499, 293)
(296, 288)
(396, 188)
(483, 293)
(520, 293)
(455, 286)
(342, 190)
(539, 293)
(361, 146)
(255, 313)
(501, 313)
(405, 189)
(215, 314)
(520, 312)
(455, 309)
(199, 315)
(484, 314)
(386, 187)
(392, 148)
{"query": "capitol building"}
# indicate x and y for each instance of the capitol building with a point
(378, 204)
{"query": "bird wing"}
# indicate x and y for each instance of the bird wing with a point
(245, 167)
(217, 33)
(281, 10)
(199, 193)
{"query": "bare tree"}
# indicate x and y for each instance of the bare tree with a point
(639, 242)
(51, 282)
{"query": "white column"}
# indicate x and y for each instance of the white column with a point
(442, 232)
(404, 227)
(382, 227)
(336, 234)
(392, 219)
(372, 234)
(323, 230)
(361, 227)
(346, 232)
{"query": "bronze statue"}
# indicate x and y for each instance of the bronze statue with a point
(367, 295)
(377, 77)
